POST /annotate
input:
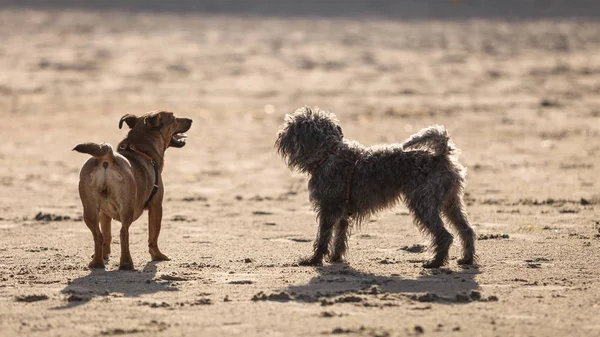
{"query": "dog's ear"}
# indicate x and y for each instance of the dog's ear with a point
(152, 120)
(340, 130)
(129, 119)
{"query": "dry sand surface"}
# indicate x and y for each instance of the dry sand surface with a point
(521, 98)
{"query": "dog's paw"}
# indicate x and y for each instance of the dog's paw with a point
(336, 259)
(433, 264)
(125, 266)
(160, 257)
(466, 261)
(96, 265)
(311, 262)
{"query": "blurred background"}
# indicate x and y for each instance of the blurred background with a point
(233, 56)
(517, 83)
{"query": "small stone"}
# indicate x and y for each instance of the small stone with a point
(462, 298)
(418, 329)
(31, 298)
(337, 331)
(241, 282)
(167, 277)
(428, 297)
(203, 301)
(281, 297)
(416, 248)
(475, 295)
(349, 299)
(374, 290)
(261, 296)
(546, 103)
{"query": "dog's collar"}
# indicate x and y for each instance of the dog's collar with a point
(330, 152)
(154, 166)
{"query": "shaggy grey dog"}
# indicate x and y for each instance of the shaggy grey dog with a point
(350, 182)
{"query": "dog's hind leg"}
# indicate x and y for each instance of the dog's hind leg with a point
(428, 219)
(327, 221)
(126, 262)
(454, 212)
(154, 224)
(105, 226)
(90, 217)
(340, 243)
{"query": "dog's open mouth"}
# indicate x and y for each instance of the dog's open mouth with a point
(178, 139)
(179, 136)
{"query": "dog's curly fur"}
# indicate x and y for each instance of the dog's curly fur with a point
(350, 182)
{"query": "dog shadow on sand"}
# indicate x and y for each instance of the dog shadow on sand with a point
(342, 283)
(100, 282)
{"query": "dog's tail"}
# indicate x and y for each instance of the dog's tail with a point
(434, 138)
(100, 151)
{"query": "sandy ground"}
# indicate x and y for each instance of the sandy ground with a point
(520, 98)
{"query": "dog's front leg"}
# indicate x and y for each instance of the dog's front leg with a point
(327, 221)
(154, 223)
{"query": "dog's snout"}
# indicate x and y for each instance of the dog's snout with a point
(185, 123)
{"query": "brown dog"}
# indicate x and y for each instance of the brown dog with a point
(121, 185)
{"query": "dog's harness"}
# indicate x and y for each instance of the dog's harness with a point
(154, 166)
(330, 152)
(348, 183)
